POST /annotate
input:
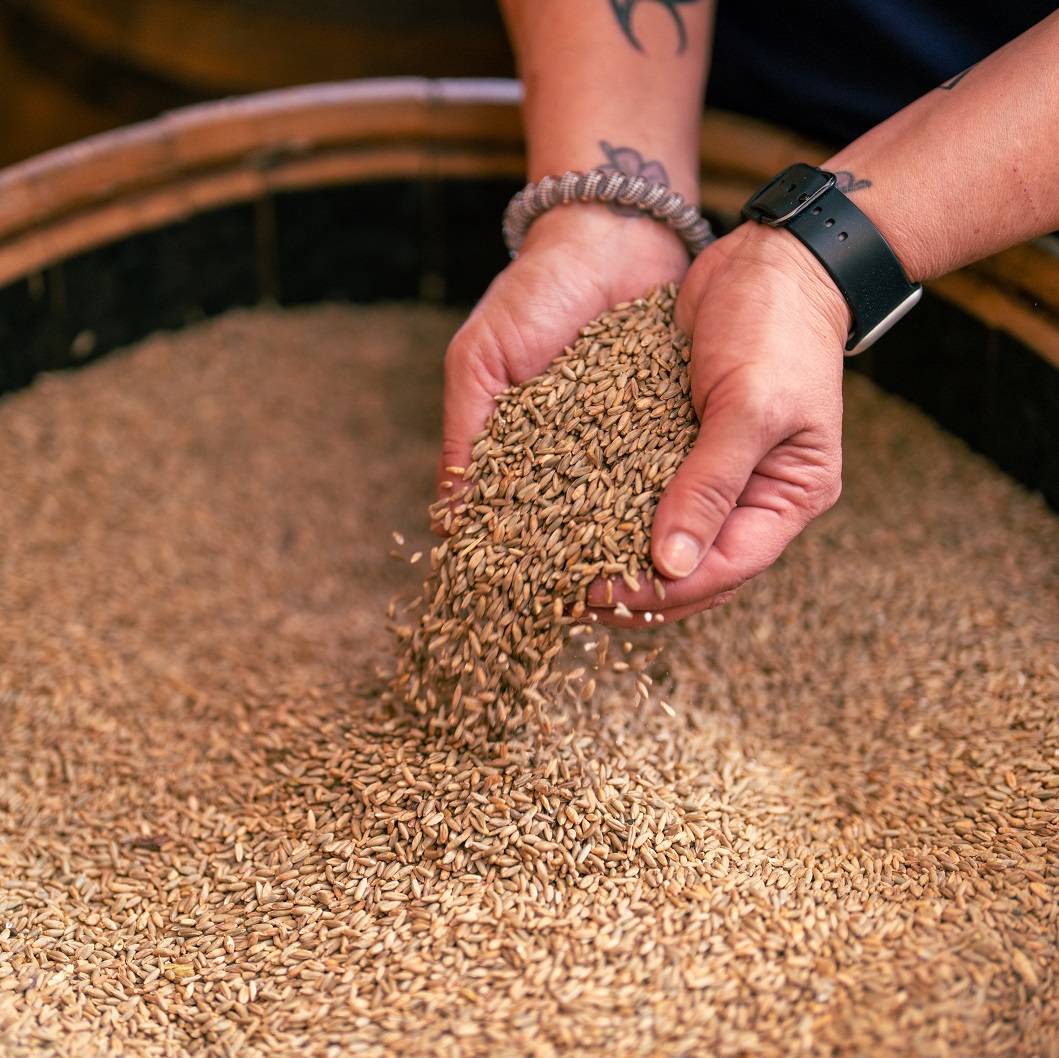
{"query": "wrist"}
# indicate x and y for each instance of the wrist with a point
(780, 256)
(640, 194)
(593, 232)
(812, 206)
(871, 198)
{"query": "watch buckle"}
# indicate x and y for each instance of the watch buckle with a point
(803, 204)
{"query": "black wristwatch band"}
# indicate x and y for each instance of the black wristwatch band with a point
(806, 202)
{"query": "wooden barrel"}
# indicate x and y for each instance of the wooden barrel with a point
(394, 188)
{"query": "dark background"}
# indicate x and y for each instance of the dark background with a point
(71, 68)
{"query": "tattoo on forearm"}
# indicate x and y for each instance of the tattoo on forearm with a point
(624, 9)
(952, 82)
(631, 162)
(846, 182)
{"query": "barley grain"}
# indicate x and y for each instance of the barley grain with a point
(524, 557)
(843, 843)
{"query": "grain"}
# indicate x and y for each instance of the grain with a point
(217, 836)
(560, 492)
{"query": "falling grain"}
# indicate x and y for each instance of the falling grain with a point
(561, 493)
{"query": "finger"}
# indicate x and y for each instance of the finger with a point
(749, 542)
(614, 618)
(794, 483)
(613, 603)
(607, 592)
(751, 539)
(469, 398)
(723, 565)
(732, 441)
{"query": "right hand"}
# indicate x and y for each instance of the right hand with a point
(576, 262)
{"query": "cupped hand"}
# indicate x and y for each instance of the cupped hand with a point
(576, 263)
(768, 329)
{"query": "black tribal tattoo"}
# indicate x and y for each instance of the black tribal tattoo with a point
(631, 162)
(623, 11)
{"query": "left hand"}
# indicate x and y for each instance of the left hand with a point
(768, 329)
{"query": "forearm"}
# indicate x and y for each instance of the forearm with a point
(972, 167)
(605, 76)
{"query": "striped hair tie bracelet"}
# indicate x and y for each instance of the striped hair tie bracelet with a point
(653, 199)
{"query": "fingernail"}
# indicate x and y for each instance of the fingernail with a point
(680, 555)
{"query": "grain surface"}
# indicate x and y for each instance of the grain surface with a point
(217, 838)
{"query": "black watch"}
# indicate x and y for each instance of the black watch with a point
(806, 202)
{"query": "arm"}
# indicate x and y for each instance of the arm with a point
(607, 82)
(965, 171)
(628, 72)
(972, 167)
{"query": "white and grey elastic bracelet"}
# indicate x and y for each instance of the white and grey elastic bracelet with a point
(654, 199)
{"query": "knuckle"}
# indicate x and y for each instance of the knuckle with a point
(708, 502)
(764, 409)
(831, 493)
(827, 494)
(721, 599)
(754, 404)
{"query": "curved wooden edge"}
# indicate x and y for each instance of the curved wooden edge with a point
(1026, 320)
(182, 199)
(254, 132)
(158, 172)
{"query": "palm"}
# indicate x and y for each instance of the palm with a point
(536, 307)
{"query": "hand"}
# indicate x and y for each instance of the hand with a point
(575, 263)
(768, 329)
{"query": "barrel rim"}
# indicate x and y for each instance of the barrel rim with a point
(115, 184)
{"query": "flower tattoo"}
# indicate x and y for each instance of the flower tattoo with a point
(846, 182)
(630, 161)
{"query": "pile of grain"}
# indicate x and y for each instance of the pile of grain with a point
(561, 491)
(216, 839)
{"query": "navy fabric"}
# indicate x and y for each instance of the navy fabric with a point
(835, 69)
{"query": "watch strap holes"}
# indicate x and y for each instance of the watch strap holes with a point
(829, 223)
(843, 236)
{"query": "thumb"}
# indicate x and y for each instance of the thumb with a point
(706, 488)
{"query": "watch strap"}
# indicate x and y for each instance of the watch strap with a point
(807, 203)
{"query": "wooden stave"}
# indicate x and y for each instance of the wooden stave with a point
(113, 185)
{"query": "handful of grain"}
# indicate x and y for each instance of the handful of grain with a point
(562, 490)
